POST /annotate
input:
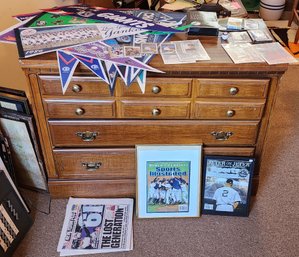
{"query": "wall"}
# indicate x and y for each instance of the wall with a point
(11, 74)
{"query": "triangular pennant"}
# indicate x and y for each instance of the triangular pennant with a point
(67, 65)
(141, 80)
(123, 72)
(112, 75)
(94, 65)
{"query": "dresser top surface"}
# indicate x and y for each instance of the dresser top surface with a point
(220, 61)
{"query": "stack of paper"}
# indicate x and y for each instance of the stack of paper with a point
(186, 51)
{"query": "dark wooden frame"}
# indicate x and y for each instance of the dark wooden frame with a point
(25, 181)
(16, 97)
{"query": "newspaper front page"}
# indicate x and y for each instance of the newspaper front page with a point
(96, 226)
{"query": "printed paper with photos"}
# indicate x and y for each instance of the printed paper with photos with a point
(168, 186)
(227, 183)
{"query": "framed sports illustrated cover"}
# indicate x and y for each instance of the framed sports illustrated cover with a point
(227, 185)
(168, 181)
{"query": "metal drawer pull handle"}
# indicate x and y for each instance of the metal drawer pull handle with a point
(80, 111)
(156, 112)
(156, 89)
(233, 90)
(87, 135)
(76, 88)
(222, 135)
(91, 166)
(230, 113)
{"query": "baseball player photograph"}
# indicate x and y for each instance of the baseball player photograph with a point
(227, 184)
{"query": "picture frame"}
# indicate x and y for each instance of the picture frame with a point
(14, 100)
(227, 184)
(20, 131)
(168, 181)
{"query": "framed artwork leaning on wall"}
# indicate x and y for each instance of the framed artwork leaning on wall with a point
(28, 164)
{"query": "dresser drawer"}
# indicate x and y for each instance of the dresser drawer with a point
(51, 85)
(248, 88)
(107, 163)
(155, 109)
(129, 132)
(159, 87)
(76, 108)
(232, 109)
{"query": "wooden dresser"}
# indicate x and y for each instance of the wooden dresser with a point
(88, 136)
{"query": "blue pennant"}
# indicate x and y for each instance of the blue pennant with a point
(67, 65)
(94, 65)
(112, 75)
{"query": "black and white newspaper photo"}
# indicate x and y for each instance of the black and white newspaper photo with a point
(96, 226)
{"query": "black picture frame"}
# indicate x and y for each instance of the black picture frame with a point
(5, 155)
(14, 100)
(15, 218)
(227, 182)
(20, 131)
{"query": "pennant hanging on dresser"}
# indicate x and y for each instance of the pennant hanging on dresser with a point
(94, 65)
(67, 65)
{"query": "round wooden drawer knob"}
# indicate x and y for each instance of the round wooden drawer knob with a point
(80, 111)
(156, 112)
(76, 88)
(156, 89)
(233, 90)
(230, 113)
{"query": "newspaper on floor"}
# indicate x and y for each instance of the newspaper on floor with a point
(96, 226)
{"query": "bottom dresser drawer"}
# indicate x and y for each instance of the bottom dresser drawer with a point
(116, 163)
(95, 163)
(92, 188)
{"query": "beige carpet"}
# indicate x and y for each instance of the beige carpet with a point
(271, 230)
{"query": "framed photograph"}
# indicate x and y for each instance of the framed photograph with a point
(227, 185)
(28, 164)
(168, 181)
(13, 100)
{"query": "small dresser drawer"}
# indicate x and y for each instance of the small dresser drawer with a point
(246, 88)
(98, 133)
(155, 110)
(92, 86)
(107, 163)
(71, 109)
(232, 109)
(159, 87)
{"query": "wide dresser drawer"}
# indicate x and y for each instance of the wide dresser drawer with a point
(117, 163)
(103, 133)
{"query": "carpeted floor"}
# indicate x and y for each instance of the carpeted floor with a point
(271, 230)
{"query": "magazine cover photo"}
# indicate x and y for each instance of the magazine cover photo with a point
(168, 186)
(227, 185)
